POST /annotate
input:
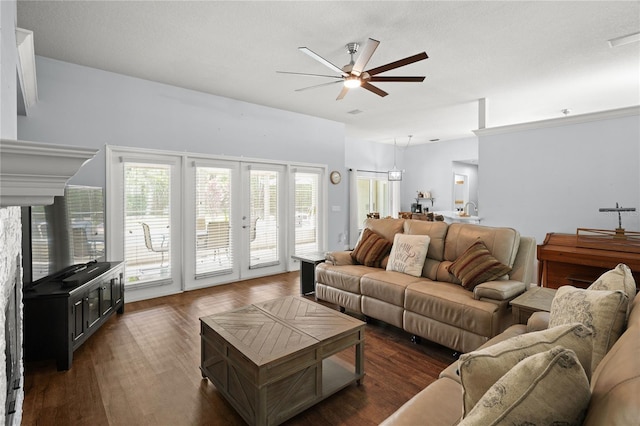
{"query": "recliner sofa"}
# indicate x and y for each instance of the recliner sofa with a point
(433, 306)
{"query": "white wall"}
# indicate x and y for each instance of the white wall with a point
(430, 168)
(88, 107)
(10, 225)
(554, 178)
(8, 64)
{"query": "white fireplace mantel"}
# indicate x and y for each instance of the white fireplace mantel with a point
(32, 173)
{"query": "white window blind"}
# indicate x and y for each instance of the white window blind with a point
(306, 193)
(85, 215)
(68, 232)
(147, 208)
(214, 249)
(264, 216)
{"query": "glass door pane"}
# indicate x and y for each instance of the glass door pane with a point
(306, 201)
(264, 218)
(213, 219)
(147, 208)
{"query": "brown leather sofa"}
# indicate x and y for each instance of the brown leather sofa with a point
(615, 383)
(433, 306)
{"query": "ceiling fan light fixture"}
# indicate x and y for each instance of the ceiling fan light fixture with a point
(352, 82)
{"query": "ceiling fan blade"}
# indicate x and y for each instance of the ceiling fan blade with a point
(398, 79)
(374, 89)
(398, 64)
(312, 75)
(343, 92)
(365, 56)
(322, 60)
(318, 85)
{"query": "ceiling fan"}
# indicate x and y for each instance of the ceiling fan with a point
(353, 74)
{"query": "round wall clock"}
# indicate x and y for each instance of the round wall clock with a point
(335, 177)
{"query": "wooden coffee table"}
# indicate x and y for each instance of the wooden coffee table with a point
(273, 360)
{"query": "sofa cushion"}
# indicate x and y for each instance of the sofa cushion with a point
(515, 330)
(436, 405)
(453, 305)
(479, 370)
(388, 228)
(346, 277)
(436, 231)
(619, 278)
(603, 311)
(615, 384)
(371, 249)
(408, 254)
(476, 266)
(388, 286)
(503, 243)
(549, 388)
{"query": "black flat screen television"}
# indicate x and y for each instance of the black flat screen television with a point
(68, 232)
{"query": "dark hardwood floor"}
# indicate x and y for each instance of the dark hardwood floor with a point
(142, 368)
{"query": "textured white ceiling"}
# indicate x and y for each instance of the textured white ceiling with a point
(528, 59)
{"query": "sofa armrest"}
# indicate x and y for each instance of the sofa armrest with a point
(498, 290)
(339, 258)
(538, 321)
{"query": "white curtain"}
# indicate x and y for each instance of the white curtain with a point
(353, 207)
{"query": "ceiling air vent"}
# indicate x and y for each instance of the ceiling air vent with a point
(354, 112)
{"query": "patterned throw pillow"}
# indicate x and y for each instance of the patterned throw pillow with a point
(480, 369)
(602, 311)
(408, 254)
(371, 249)
(476, 266)
(619, 278)
(549, 388)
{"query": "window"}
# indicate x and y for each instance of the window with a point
(147, 240)
(373, 195)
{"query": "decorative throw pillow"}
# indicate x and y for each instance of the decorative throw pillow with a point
(602, 311)
(476, 266)
(619, 278)
(479, 370)
(408, 254)
(549, 388)
(371, 249)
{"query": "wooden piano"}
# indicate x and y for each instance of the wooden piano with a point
(569, 259)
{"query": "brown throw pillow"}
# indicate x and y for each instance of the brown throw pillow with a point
(371, 249)
(476, 266)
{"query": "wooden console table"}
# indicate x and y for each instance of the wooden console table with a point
(308, 263)
(536, 299)
(563, 262)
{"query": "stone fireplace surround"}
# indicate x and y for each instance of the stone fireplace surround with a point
(31, 173)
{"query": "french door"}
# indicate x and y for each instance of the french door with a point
(144, 221)
(238, 226)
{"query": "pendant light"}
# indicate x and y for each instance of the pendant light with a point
(395, 174)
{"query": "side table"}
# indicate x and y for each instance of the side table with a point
(308, 264)
(535, 299)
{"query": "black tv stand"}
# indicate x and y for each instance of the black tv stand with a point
(58, 319)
